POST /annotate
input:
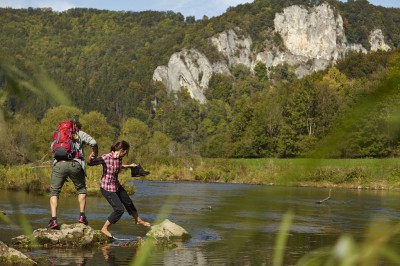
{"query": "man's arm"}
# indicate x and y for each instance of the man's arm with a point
(95, 151)
(89, 140)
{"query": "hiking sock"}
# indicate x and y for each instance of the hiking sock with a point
(82, 214)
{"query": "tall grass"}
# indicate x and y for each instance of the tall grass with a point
(375, 249)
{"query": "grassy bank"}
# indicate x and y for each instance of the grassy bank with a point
(346, 173)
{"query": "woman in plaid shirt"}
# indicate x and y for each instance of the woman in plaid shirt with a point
(111, 189)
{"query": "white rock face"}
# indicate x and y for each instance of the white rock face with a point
(312, 38)
(188, 69)
(377, 41)
(236, 50)
(313, 34)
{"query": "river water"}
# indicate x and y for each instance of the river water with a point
(230, 224)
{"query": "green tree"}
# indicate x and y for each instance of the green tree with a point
(261, 72)
(299, 119)
(95, 124)
(157, 147)
(19, 142)
(220, 87)
(266, 123)
(217, 146)
(137, 134)
(182, 121)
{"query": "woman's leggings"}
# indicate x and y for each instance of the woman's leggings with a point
(118, 201)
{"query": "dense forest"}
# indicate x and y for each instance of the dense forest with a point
(102, 64)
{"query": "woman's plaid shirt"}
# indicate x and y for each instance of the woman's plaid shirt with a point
(111, 167)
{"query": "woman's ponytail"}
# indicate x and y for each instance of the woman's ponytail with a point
(120, 145)
(112, 147)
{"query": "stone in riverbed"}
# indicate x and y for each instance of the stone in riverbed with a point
(168, 230)
(72, 236)
(10, 256)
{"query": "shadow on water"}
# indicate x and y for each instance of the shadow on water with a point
(229, 223)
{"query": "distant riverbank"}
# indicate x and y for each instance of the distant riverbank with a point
(344, 173)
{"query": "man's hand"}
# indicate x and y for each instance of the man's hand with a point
(92, 155)
(95, 151)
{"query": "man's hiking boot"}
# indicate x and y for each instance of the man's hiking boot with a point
(83, 220)
(138, 171)
(53, 225)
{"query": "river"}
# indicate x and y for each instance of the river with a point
(230, 224)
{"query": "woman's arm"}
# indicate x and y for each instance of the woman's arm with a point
(124, 166)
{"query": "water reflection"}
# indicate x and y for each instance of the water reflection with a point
(69, 256)
(229, 223)
(184, 256)
(114, 258)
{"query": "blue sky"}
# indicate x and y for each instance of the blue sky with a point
(196, 8)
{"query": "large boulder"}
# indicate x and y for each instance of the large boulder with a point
(167, 230)
(10, 256)
(73, 235)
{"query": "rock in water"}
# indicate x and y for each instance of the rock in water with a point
(168, 230)
(10, 256)
(73, 235)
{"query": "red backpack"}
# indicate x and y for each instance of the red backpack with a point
(64, 139)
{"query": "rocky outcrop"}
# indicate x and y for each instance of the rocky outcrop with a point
(188, 69)
(313, 38)
(237, 50)
(10, 256)
(377, 41)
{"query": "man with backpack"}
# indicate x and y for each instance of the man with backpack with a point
(69, 161)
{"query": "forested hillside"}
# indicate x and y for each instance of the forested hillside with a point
(104, 62)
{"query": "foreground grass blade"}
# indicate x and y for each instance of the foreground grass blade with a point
(282, 239)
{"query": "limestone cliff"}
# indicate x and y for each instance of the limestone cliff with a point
(188, 69)
(237, 50)
(377, 41)
(312, 39)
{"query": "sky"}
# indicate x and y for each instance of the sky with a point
(197, 8)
